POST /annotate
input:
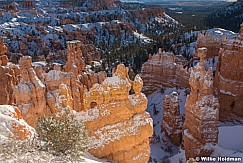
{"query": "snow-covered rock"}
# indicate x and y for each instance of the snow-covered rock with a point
(118, 124)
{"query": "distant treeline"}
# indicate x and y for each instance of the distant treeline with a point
(230, 17)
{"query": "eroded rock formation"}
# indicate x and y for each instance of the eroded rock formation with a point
(88, 79)
(75, 62)
(6, 82)
(12, 124)
(54, 79)
(201, 112)
(172, 120)
(63, 106)
(3, 47)
(29, 93)
(144, 14)
(28, 4)
(118, 124)
(210, 42)
(90, 53)
(229, 77)
(161, 70)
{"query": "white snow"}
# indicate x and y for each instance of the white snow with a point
(111, 133)
(231, 137)
(227, 92)
(88, 158)
(163, 149)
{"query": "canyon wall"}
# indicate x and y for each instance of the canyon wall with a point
(201, 112)
(229, 77)
(161, 70)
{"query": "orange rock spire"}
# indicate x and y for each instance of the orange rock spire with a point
(172, 121)
(201, 112)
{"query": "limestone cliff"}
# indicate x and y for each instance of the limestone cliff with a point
(229, 77)
(172, 121)
(201, 112)
(161, 70)
(118, 124)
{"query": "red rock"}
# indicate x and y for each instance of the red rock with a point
(90, 53)
(75, 62)
(28, 4)
(6, 82)
(172, 120)
(229, 78)
(23, 48)
(3, 47)
(143, 14)
(29, 93)
(54, 79)
(210, 42)
(118, 124)
(4, 60)
(161, 70)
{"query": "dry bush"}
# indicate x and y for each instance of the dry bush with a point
(58, 140)
(63, 136)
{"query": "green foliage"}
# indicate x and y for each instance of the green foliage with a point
(229, 17)
(64, 136)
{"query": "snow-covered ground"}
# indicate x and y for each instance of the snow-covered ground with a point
(88, 158)
(162, 149)
(231, 137)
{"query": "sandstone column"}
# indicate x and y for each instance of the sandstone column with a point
(172, 121)
(201, 112)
